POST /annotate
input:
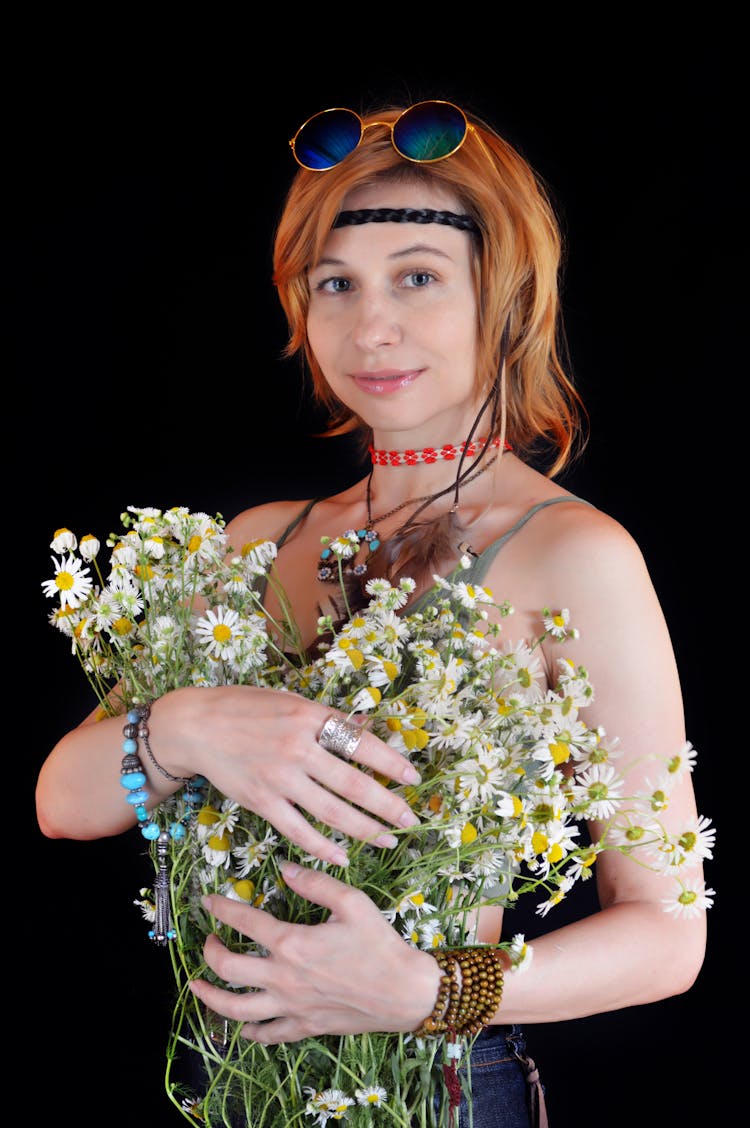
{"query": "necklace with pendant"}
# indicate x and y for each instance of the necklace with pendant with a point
(328, 571)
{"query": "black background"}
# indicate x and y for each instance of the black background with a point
(145, 358)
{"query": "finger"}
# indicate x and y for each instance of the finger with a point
(328, 809)
(241, 1006)
(254, 1008)
(255, 924)
(345, 902)
(276, 1031)
(359, 788)
(237, 970)
(372, 752)
(341, 811)
(292, 825)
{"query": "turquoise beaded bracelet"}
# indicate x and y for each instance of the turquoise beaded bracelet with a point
(134, 779)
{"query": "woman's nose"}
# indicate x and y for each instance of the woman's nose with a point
(376, 325)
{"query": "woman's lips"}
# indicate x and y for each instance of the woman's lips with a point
(385, 381)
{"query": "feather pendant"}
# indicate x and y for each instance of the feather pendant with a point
(418, 550)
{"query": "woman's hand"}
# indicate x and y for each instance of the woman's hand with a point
(351, 974)
(260, 747)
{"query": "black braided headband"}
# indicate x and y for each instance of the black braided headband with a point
(405, 215)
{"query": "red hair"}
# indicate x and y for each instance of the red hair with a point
(517, 258)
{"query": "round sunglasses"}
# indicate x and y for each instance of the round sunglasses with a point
(425, 132)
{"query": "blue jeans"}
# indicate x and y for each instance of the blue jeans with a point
(501, 1094)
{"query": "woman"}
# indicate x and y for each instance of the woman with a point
(416, 260)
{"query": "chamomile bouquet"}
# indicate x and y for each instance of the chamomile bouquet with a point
(510, 775)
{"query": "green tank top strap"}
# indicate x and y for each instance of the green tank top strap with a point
(261, 583)
(480, 564)
(300, 517)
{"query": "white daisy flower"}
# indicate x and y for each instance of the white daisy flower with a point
(469, 595)
(629, 830)
(259, 554)
(556, 623)
(218, 631)
(688, 847)
(411, 903)
(482, 777)
(394, 598)
(89, 547)
(236, 584)
(558, 896)
(331, 1104)
(153, 546)
(239, 889)
(72, 582)
(104, 610)
(253, 853)
(409, 930)
(382, 671)
(343, 547)
(689, 900)
(372, 1097)
(683, 762)
(431, 935)
(599, 788)
(217, 850)
(64, 541)
(146, 904)
(147, 515)
(65, 620)
(581, 866)
(520, 953)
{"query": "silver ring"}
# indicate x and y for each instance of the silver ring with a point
(341, 737)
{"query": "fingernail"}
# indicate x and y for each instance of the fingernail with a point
(387, 841)
(206, 902)
(339, 858)
(408, 819)
(290, 869)
(411, 775)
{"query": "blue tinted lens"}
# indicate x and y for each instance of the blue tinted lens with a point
(327, 138)
(429, 131)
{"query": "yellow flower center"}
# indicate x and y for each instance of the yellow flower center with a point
(207, 816)
(64, 581)
(245, 889)
(560, 752)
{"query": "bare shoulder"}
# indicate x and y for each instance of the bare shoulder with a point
(580, 532)
(264, 522)
(566, 553)
(581, 549)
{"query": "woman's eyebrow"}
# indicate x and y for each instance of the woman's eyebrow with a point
(415, 248)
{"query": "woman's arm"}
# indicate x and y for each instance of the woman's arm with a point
(258, 746)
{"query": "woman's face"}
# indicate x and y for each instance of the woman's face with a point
(393, 317)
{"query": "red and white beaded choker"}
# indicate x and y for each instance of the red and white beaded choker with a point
(446, 453)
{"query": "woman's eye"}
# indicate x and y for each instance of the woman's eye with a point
(419, 278)
(333, 285)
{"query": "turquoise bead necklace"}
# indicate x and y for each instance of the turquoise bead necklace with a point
(328, 572)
